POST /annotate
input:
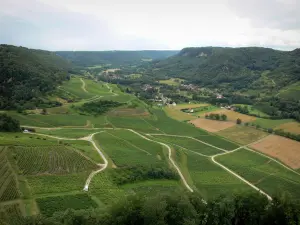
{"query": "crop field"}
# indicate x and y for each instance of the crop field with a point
(8, 183)
(233, 116)
(242, 134)
(51, 160)
(264, 173)
(11, 213)
(96, 88)
(212, 125)
(284, 149)
(211, 180)
(128, 112)
(268, 123)
(46, 184)
(205, 109)
(49, 205)
(292, 127)
(25, 140)
(132, 151)
(136, 123)
(188, 143)
(189, 106)
(74, 87)
(177, 114)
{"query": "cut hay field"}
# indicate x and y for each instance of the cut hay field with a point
(242, 134)
(268, 123)
(209, 179)
(177, 114)
(281, 148)
(212, 125)
(262, 172)
(292, 127)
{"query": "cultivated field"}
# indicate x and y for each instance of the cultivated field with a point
(262, 172)
(189, 106)
(51, 160)
(242, 134)
(172, 81)
(212, 125)
(268, 123)
(284, 149)
(129, 112)
(177, 114)
(292, 127)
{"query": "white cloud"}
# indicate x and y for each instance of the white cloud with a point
(156, 24)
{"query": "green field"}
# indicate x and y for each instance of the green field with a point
(74, 87)
(268, 123)
(254, 111)
(209, 179)
(264, 173)
(172, 81)
(187, 143)
(291, 92)
(50, 205)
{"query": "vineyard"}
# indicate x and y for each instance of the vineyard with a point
(50, 205)
(51, 160)
(264, 173)
(188, 143)
(11, 214)
(8, 183)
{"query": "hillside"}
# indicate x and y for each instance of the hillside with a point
(114, 58)
(28, 74)
(251, 68)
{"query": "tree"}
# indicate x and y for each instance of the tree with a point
(8, 124)
(238, 121)
(270, 130)
(217, 116)
(224, 117)
(44, 111)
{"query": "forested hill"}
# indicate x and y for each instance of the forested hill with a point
(236, 68)
(114, 58)
(27, 74)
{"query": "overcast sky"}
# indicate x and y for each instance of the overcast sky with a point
(151, 24)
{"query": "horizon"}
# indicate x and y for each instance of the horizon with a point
(157, 25)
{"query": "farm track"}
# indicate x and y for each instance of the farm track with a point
(83, 85)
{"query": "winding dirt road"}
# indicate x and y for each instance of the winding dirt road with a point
(83, 85)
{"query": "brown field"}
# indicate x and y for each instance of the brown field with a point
(128, 112)
(242, 134)
(233, 116)
(292, 127)
(284, 149)
(189, 106)
(212, 125)
(176, 114)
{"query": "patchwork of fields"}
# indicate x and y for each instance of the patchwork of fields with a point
(149, 151)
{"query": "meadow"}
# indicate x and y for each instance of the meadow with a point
(264, 173)
(177, 114)
(74, 87)
(268, 123)
(172, 81)
(292, 127)
(291, 92)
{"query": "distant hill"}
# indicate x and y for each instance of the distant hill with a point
(115, 58)
(27, 74)
(251, 68)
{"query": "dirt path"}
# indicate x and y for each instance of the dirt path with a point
(83, 86)
(170, 158)
(90, 139)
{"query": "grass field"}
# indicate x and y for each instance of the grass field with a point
(242, 134)
(177, 114)
(67, 132)
(172, 81)
(202, 110)
(190, 106)
(74, 87)
(24, 140)
(254, 111)
(262, 172)
(268, 123)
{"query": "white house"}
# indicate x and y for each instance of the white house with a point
(174, 103)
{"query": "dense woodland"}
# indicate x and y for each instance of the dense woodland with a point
(183, 209)
(8, 124)
(27, 75)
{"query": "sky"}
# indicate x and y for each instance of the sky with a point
(156, 24)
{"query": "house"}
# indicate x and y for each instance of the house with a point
(25, 131)
(219, 96)
(174, 103)
(191, 110)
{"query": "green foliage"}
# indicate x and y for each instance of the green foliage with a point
(50, 205)
(8, 124)
(98, 107)
(28, 74)
(216, 116)
(238, 121)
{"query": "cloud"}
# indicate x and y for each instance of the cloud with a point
(156, 24)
